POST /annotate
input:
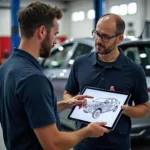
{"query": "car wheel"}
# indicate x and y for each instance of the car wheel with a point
(96, 113)
(115, 108)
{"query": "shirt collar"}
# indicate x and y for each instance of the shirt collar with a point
(26, 55)
(118, 63)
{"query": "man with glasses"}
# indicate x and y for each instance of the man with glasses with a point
(109, 68)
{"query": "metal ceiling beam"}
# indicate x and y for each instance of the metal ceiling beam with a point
(98, 6)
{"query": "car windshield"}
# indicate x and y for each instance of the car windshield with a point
(57, 57)
(81, 49)
(65, 53)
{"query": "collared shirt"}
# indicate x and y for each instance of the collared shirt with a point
(126, 76)
(27, 101)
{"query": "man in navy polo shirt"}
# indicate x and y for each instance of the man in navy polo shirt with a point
(28, 107)
(109, 68)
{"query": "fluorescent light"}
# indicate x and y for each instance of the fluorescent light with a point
(91, 14)
(78, 16)
(143, 55)
(123, 9)
(132, 8)
(115, 9)
(147, 66)
(75, 16)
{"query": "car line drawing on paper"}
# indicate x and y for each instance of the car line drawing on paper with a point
(95, 107)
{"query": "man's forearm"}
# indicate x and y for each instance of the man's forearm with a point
(61, 105)
(68, 140)
(67, 95)
(136, 111)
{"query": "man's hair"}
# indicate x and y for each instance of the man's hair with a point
(120, 24)
(35, 15)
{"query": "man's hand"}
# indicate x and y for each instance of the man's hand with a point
(138, 111)
(125, 108)
(96, 129)
(79, 100)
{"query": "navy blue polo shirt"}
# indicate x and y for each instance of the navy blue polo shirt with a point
(27, 101)
(126, 76)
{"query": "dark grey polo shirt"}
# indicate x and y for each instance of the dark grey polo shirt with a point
(27, 101)
(126, 76)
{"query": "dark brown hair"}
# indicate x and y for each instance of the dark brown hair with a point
(35, 15)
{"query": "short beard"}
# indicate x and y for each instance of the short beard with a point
(45, 47)
(107, 50)
(44, 54)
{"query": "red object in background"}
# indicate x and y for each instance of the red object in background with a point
(61, 39)
(4, 45)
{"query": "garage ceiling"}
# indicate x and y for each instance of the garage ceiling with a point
(23, 3)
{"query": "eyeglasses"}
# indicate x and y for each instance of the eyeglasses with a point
(104, 38)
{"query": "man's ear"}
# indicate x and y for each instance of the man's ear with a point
(42, 32)
(120, 39)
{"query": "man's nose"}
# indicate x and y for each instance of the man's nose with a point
(99, 39)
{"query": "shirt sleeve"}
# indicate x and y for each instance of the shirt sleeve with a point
(140, 93)
(72, 85)
(38, 101)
